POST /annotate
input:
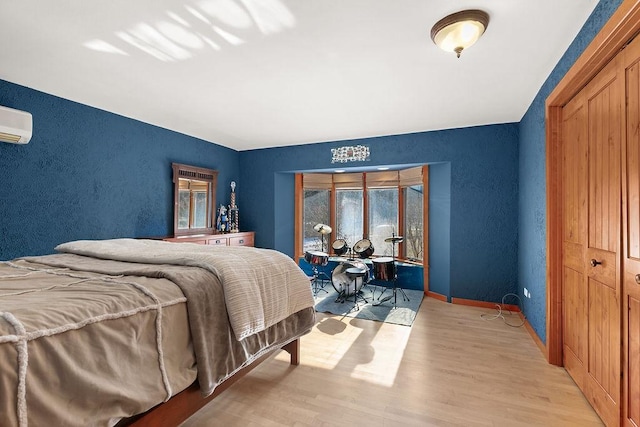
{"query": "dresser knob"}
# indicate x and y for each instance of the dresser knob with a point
(594, 263)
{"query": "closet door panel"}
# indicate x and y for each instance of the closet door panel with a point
(631, 238)
(604, 338)
(575, 317)
(574, 219)
(605, 96)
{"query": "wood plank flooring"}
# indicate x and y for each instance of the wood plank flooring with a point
(451, 368)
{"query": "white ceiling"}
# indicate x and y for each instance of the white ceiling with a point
(251, 74)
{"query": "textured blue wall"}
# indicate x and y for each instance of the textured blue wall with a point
(90, 174)
(440, 228)
(282, 211)
(484, 197)
(532, 215)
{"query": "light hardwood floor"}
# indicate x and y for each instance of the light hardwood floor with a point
(451, 367)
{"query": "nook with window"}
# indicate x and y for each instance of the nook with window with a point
(364, 205)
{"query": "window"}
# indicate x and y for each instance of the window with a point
(413, 227)
(349, 216)
(383, 219)
(371, 205)
(316, 199)
(316, 211)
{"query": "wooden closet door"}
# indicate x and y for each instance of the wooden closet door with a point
(592, 135)
(574, 214)
(631, 239)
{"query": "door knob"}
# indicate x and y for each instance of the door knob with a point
(638, 279)
(594, 262)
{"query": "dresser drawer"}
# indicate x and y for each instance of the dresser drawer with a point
(222, 241)
(241, 240)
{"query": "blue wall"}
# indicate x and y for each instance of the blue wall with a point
(532, 219)
(482, 245)
(90, 174)
(440, 228)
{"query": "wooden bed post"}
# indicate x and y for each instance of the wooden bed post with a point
(293, 348)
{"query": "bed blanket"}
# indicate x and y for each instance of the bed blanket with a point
(91, 340)
(261, 286)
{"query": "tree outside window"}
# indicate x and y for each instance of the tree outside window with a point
(316, 211)
(349, 216)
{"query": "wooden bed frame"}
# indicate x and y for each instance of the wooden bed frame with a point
(189, 401)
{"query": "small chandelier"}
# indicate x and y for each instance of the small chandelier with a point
(460, 30)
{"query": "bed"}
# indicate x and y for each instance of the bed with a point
(103, 331)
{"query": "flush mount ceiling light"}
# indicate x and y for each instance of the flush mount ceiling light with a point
(460, 30)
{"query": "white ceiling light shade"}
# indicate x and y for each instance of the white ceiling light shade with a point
(460, 30)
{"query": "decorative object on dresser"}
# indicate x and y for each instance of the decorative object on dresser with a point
(222, 223)
(234, 215)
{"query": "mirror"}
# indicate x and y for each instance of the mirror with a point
(194, 199)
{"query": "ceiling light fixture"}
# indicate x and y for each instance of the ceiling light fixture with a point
(460, 30)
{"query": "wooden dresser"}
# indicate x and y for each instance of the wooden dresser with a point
(245, 238)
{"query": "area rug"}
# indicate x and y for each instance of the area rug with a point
(403, 313)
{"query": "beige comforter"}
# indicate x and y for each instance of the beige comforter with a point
(261, 286)
(85, 341)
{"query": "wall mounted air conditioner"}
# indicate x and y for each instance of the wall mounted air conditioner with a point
(15, 126)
